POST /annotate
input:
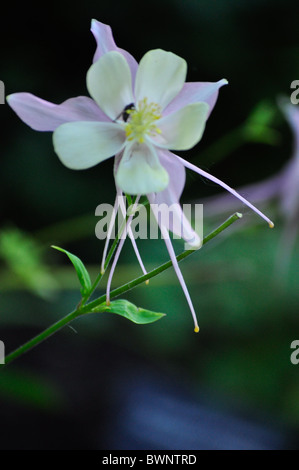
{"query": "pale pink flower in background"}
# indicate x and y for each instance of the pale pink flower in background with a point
(278, 193)
(138, 112)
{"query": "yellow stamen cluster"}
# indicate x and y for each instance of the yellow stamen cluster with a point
(142, 121)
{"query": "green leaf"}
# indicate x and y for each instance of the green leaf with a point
(130, 311)
(82, 272)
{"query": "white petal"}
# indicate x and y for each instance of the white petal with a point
(160, 77)
(140, 171)
(81, 145)
(184, 128)
(109, 82)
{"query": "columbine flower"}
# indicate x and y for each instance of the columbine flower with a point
(138, 113)
(282, 188)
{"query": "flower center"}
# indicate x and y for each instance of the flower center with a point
(142, 121)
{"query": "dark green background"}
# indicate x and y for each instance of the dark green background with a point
(240, 360)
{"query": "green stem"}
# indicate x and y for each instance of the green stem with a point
(41, 336)
(130, 285)
(90, 307)
(101, 274)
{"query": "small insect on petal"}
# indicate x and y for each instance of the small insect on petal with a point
(126, 112)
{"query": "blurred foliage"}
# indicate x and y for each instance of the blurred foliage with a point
(31, 390)
(23, 257)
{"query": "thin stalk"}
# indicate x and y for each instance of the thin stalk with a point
(91, 306)
(41, 337)
(163, 267)
(107, 261)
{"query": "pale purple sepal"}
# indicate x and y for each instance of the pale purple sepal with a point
(178, 272)
(177, 223)
(42, 115)
(291, 113)
(257, 193)
(105, 43)
(195, 92)
(289, 187)
(282, 186)
(225, 186)
(177, 177)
